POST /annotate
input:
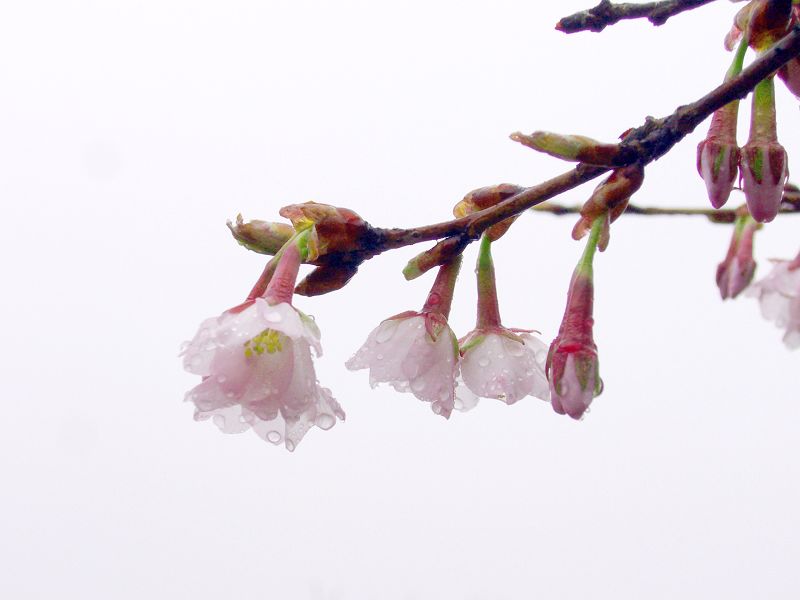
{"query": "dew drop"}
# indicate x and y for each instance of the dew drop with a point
(379, 357)
(274, 437)
(483, 361)
(325, 421)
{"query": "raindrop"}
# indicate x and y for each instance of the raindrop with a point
(274, 437)
(483, 361)
(325, 421)
(379, 357)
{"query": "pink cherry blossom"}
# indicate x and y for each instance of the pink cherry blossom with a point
(256, 365)
(779, 297)
(413, 352)
(503, 364)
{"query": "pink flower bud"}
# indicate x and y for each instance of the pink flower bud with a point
(764, 173)
(736, 272)
(572, 365)
(718, 165)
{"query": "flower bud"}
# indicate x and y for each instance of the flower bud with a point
(736, 272)
(572, 365)
(764, 173)
(484, 198)
(576, 148)
(326, 278)
(334, 229)
(261, 236)
(767, 22)
(609, 198)
(718, 165)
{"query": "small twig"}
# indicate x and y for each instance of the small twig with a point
(606, 13)
(723, 215)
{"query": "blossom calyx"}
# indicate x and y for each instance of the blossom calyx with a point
(484, 198)
(263, 237)
(575, 148)
(609, 200)
(736, 272)
(333, 228)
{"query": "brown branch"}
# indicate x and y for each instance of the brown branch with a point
(643, 144)
(606, 13)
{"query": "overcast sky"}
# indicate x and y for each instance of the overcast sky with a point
(130, 131)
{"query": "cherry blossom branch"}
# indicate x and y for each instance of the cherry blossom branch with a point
(643, 145)
(605, 14)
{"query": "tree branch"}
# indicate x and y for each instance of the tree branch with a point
(605, 14)
(643, 144)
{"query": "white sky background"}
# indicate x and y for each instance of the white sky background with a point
(129, 133)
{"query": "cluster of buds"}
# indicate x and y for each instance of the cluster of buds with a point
(762, 163)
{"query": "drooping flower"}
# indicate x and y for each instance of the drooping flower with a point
(417, 352)
(255, 361)
(572, 365)
(496, 362)
(736, 272)
(779, 298)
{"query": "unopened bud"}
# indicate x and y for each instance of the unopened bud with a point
(261, 236)
(326, 278)
(764, 173)
(334, 229)
(736, 272)
(484, 198)
(609, 198)
(767, 22)
(443, 252)
(575, 148)
(718, 165)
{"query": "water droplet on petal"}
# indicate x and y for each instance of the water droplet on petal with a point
(325, 421)
(379, 357)
(484, 361)
(274, 437)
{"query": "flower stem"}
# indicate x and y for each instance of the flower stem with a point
(763, 126)
(585, 263)
(488, 309)
(440, 298)
(284, 270)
